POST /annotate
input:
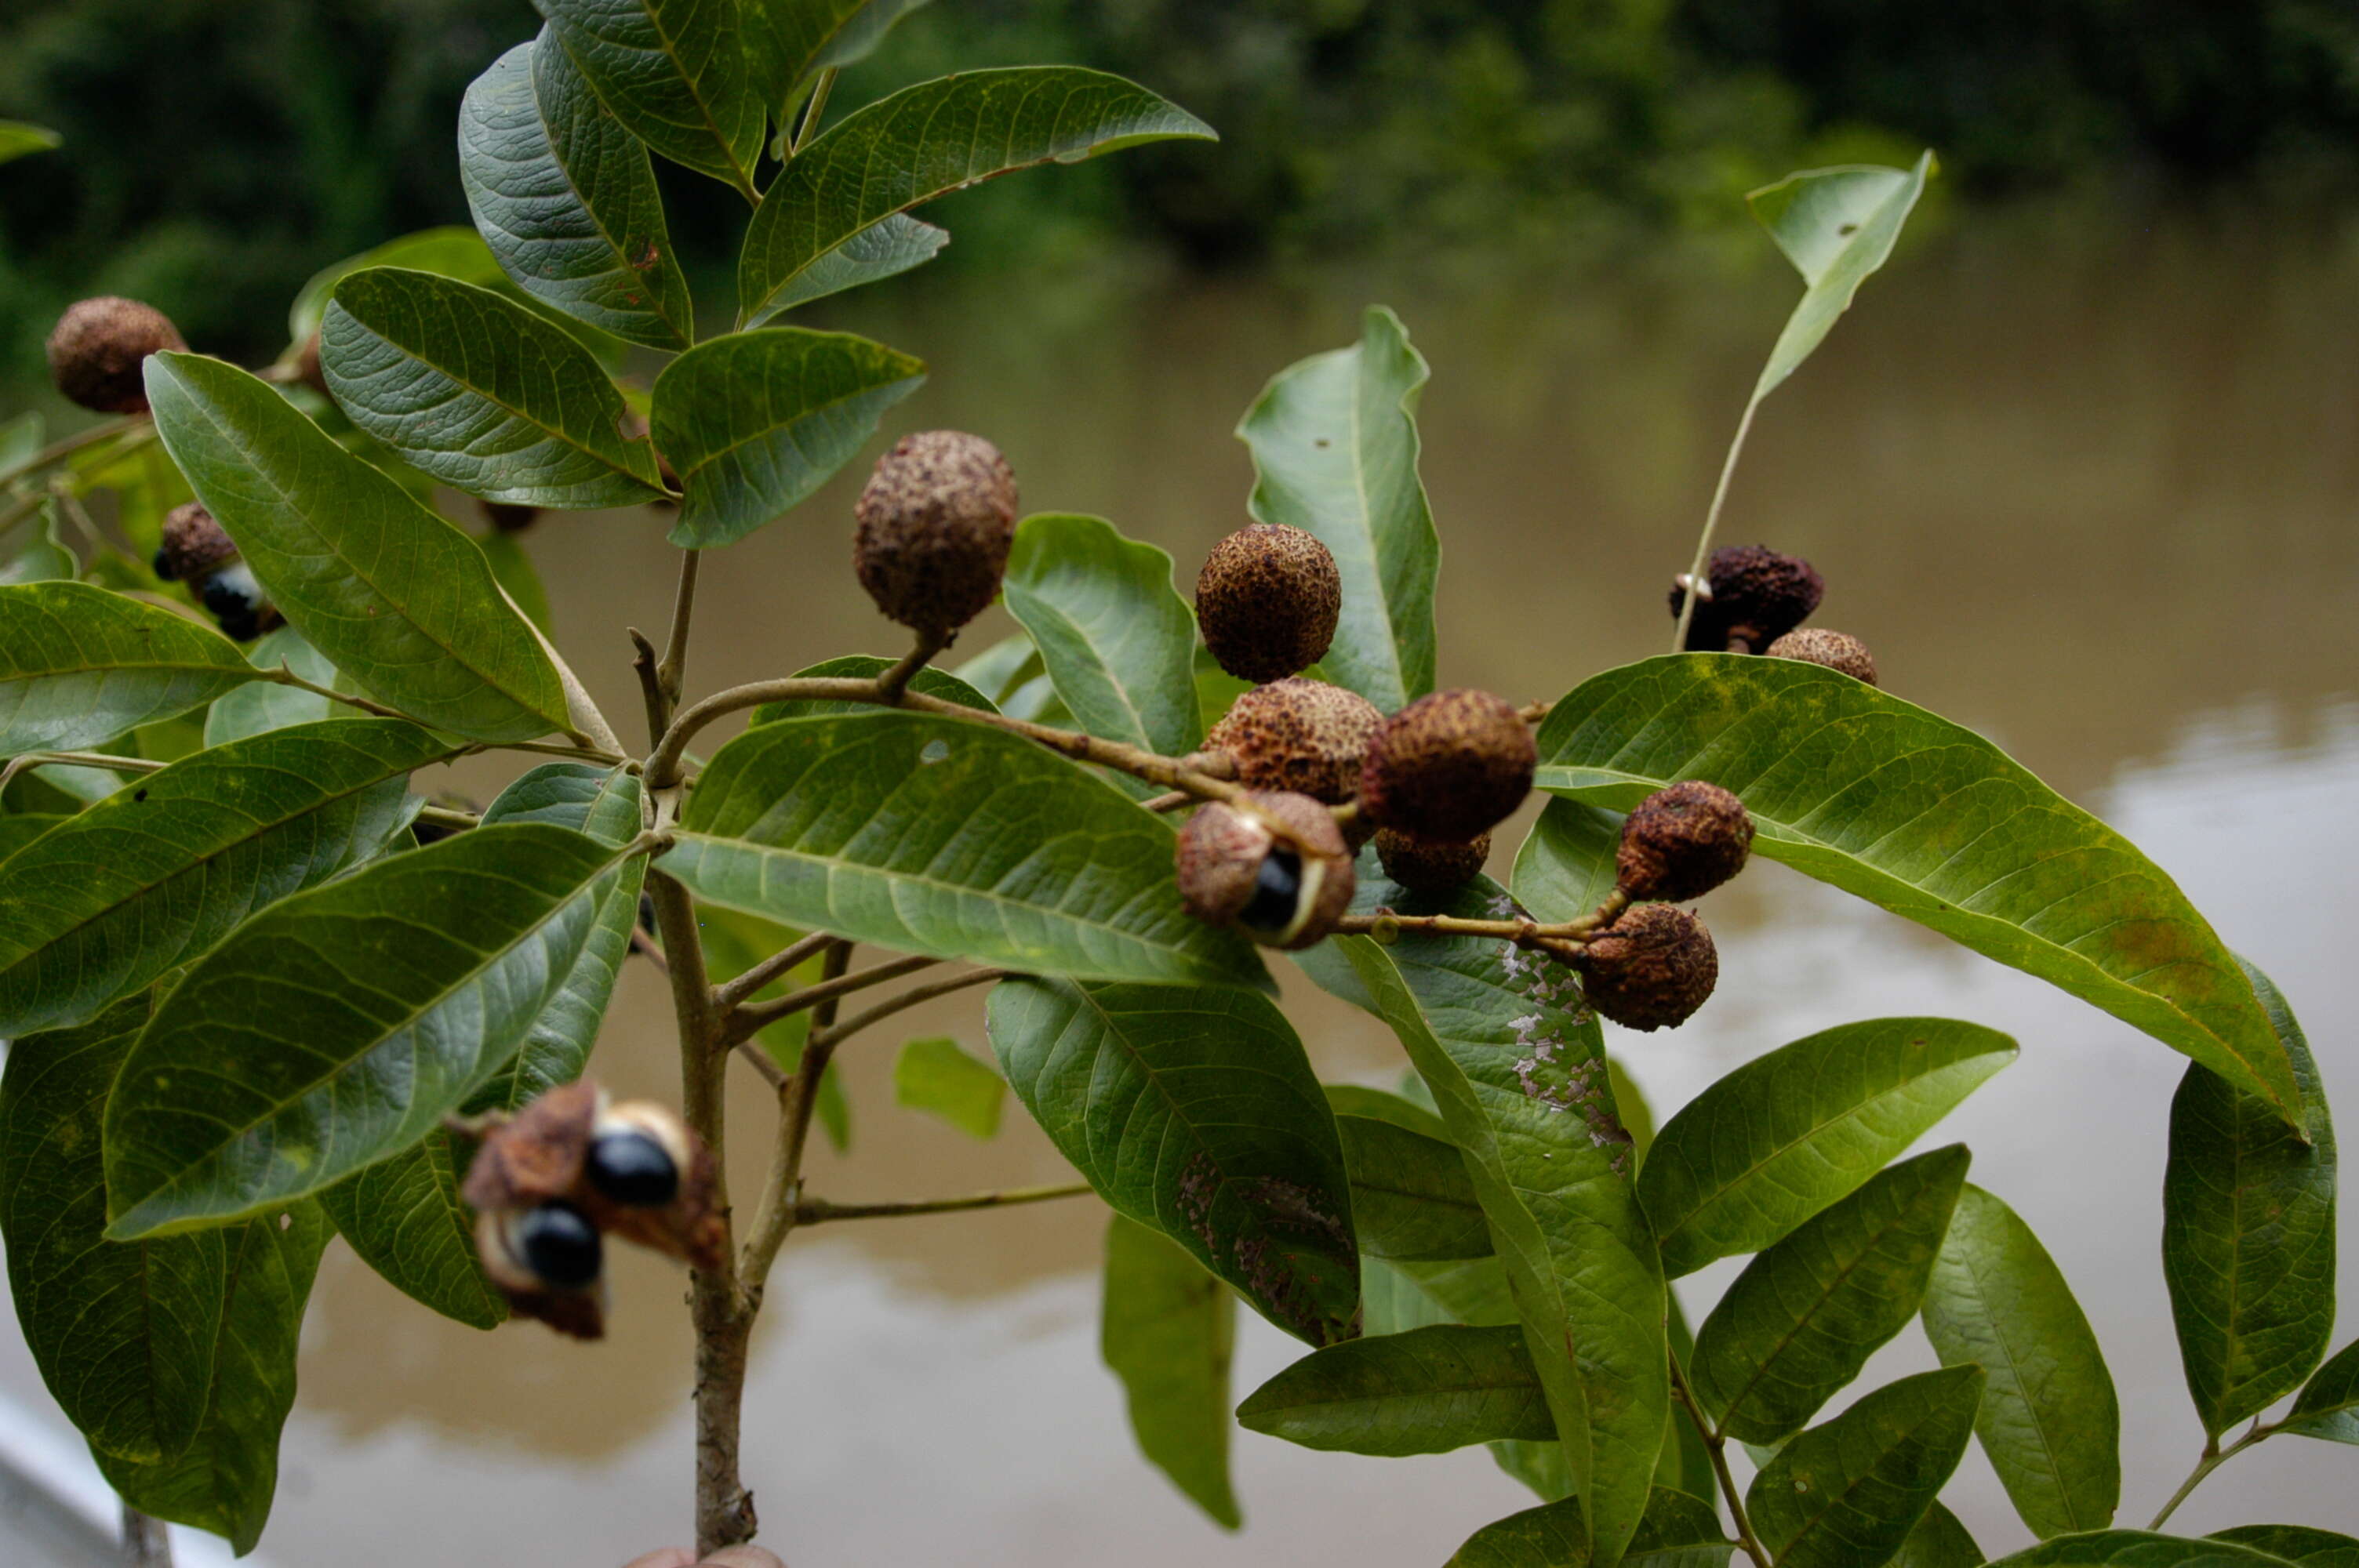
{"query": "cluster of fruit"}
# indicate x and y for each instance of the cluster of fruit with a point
(550, 1184)
(95, 354)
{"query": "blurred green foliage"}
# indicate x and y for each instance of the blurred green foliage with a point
(219, 151)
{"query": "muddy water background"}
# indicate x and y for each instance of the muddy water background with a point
(2087, 483)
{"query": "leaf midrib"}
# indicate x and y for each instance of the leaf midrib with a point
(715, 454)
(1852, 1483)
(1997, 1322)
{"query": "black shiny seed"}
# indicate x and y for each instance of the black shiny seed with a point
(630, 1167)
(556, 1242)
(163, 564)
(226, 598)
(1278, 889)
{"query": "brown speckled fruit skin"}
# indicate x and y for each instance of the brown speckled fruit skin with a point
(97, 349)
(935, 524)
(1836, 650)
(1651, 969)
(1448, 766)
(1684, 841)
(1266, 602)
(1298, 735)
(1221, 849)
(193, 543)
(1757, 596)
(1422, 865)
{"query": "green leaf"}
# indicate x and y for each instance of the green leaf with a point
(2248, 1233)
(1939, 1541)
(2137, 1549)
(2049, 1420)
(1837, 226)
(1117, 639)
(883, 250)
(338, 1027)
(1428, 1390)
(1518, 1069)
(153, 876)
(1335, 446)
(789, 40)
(17, 138)
(1168, 1332)
(1382, 1105)
(480, 394)
(1781, 1137)
(927, 682)
(123, 1335)
(607, 803)
(454, 251)
(80, 665)
(1195, 1111)
(1849, 1492)
(755, 422)
(1566, 868)
(225, 1480)
(512, 569)
(44, 560)
(2296, 1543)
(2329, 1404)
(1411, 1197)
(567, 200)
(674, 72)
(20, 828)
(927, 141)
(1805, 1316)
(403, 1218)
(940, 837)
(260, 707)
(1676, 1531)
(391, 594)
(934, 1075)
(1931, 821)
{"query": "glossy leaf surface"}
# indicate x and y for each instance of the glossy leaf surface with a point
(1565, 868)
(225, 1480)
(1837, 226)
(1118, 641)
(1852, 1490)
(567, 200)
(479, 392)
(389, 593)
(2049, 1422)
(403, 1218)
(1805, 1316)
(1194, 1110)
(80, 665)
(1517, 1071)
(674, 72)
(927, 141)
(156, 874)
(125, 1336)
(935, 1076)
(1778, 1139)
(1939, 1540)
(340, 1025)
(2328, 1406)
(2296, 1543)
(2248, 1233)
(935, 836)
(1334, 444)
(755, 422)
(1411, 1199)
(1931, 821)
(1427, 1391)
(886, 248)
(1168, 1329)
(453, 251)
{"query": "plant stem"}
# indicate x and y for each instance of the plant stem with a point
(146, 1541)
(832, 1035)
(729, 993)
(59, 450)
(812, 111)
(1172, 773)
(813, 1211)
(1695, 577)
(672, 671)
(797, 1101)
(1565, 939)
(443, 817)
(1718, 1447)
(2214, 1457)
(744, 1022)
(643, 665)
(25, 761)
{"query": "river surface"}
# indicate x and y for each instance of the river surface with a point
(2087, 481)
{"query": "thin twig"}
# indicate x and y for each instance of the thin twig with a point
(643, 665)
(836, 1035)
(1718, 1447)
(1698, 579)
(146, 1541)
(2214, 1457)
(444, 817)
(673, 669)
(25, 761)
(894, 681)
(1171, 801)
(729, 993)
(749, 1019)
(797, 1102)
(811, 112)
(815, 1211)
(59, 450)
(551, 749)
(1566, 939)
